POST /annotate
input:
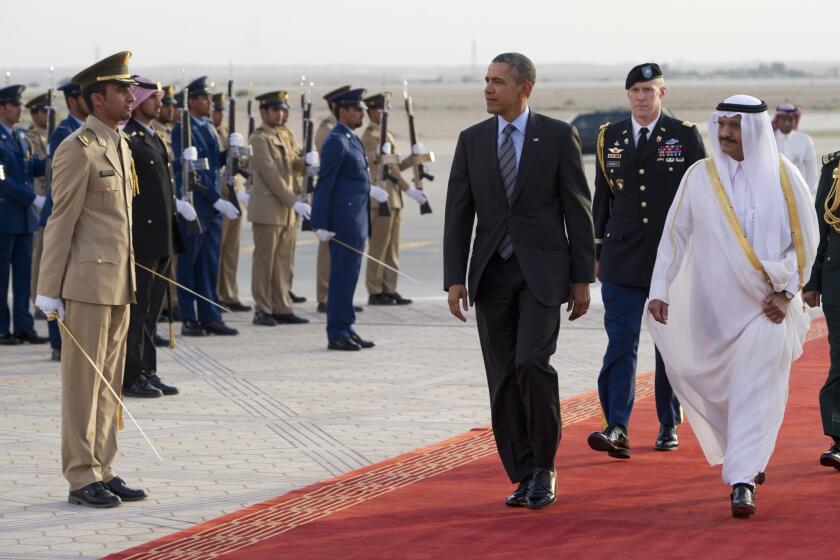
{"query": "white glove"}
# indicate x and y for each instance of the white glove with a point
(39, 202)
(386, 148)
(236, 140)
(50, 305)
(243, 198)
(312, 159)
(302, 208)
(324, 235)
(185, 209)
(380, 194)
(226, 208)
(418, 149)
(417, 195)
(190, 154)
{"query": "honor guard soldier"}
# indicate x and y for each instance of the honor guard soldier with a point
(273, 210)
(77, 113)
(341, 216)
(198, 267)
(824, 289)
(19, 207)
(228, 288)
(640, 163)
(156, 239)
(87, 281)
(293, 152)
(37, 133)
(166, 119)
(322, 267)
(381, 283)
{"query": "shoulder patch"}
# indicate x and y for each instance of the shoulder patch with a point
(86, 136)
(830, 158)
(688, 124)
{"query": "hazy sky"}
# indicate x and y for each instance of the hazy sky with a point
(417, 33)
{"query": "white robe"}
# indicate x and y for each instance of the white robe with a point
(728, 363)
(799, 149)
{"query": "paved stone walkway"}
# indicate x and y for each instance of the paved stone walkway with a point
(258, 415)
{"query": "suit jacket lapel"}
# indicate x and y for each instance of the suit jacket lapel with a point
(531, 149)
(491, 152)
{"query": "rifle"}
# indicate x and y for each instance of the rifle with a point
(50, 130)
(250, 133)
(189, 169)
(311, 171)
(384, 159)
(417, 167)
(233, 163)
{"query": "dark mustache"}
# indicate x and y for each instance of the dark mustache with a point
(727, 139)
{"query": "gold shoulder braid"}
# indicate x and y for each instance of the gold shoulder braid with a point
(135, 183)
(832, 202)
(599, 151)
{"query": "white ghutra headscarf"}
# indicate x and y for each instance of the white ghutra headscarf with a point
(761, 170)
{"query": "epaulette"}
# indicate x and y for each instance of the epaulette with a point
(830, 158)
(86, 136)
(688, 124)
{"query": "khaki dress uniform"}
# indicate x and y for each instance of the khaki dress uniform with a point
(38, 138)
(384, 241)
(88, 261)
(227, 287)
(293, 153)
(273, 221)
(322, 266)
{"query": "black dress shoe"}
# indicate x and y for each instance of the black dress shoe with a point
(263, 319)
(31, 337)
(541, 491)
(322, 308)
(667, 439)
(236, 306)
(55, 355)
(398, 299)
(296, 298)
(289, 319)
(343, 344)
(380, 299)
(142, 390)
(160, 342)
(192, 328)
(94, 495)
(358, 308)
(156, 382)
(743, 500)
(39, 315)
(361, 341)
(519, 498)
(6, 339)
(831, 458)
(613, 440)
(117, 486)
(219, 328)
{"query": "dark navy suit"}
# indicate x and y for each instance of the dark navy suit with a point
(198, 267)
(18, 220)
(341, 204)
(64, 129)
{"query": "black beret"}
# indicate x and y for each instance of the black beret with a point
(642, 73)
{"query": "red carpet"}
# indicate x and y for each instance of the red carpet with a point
(446, 501)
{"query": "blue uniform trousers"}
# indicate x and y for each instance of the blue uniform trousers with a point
(345, 266)
(623, 309)
(16, 257)
(198, 270)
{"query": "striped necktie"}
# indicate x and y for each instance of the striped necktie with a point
(507, 167)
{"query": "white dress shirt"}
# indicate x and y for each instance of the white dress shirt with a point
(799, 149)
(517, 136)
(637, 128)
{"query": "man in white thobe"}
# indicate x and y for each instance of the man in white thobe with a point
(725, 309)
(795, 145)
